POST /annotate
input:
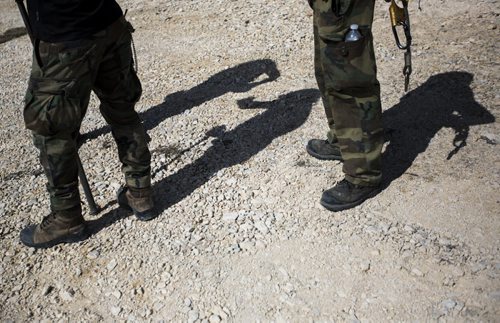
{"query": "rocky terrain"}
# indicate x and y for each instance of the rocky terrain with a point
(229, 102)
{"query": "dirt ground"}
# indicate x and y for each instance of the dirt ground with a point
(229, 102)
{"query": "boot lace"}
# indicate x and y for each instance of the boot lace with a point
(47, 220)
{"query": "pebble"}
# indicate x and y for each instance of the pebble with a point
(261, 227)
(17, 288)
(230, 216)
(157, 306)
(193, 315)
(214, 318)
(417, 272)
(94, 254)
(47, 289)
(448, 304)
(67, 295)
(111, 265)
(489, 138)
(117, 294)
(219, 311)
(365, 266)
(408, 228)
(247, 245)
(115, 310)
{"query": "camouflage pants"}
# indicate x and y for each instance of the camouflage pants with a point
(57, 98)
(347, 78)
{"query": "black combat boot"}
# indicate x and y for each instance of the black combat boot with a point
(138, 200)
(57, 227)
(346, 195)
(323, 149)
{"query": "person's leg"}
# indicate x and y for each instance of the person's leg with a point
(119, 89)
(352, 86)
(55, 104)
(326, 149)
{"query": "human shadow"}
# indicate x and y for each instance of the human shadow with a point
(280, 116)
(444, 100)
(240, 78)
(12, 33)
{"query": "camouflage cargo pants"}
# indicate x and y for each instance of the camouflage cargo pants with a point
(57, 98)
(347, 78)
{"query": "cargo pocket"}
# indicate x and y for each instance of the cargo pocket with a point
(349, 64)
(51, 107)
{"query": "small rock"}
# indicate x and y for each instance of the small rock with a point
(146, 312)
(193, 315)
(218, 310)
(67, 295)
(246, 245)
(234, 248)
(260, 244)
(158, 306)
(446, 243)
(371, 229)
(117, 294)
(407, 254)
(230, 216)
(365, 266)
(261, 226)
(93, 254)
(214, 318)
(47, 290)
(448, 281)
(457, 272)
(115, 185)
(115, 310)
(448, 305)
(490, 138)
(17, 288)
(408, 228)
(284, 273)
(111, 265)
(417, 272)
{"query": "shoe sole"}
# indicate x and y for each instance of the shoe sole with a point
(341, 207)
(72, 238)
(322, 157)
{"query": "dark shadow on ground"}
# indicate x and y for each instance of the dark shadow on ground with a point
(229, 148)
(12, 33)
(444, 100)
(236, 146)
(240, 78)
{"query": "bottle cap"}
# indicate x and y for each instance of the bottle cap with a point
(354, 26)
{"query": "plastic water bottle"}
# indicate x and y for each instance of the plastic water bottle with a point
(353, 34)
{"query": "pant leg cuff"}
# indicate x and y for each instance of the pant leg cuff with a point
(364, 181)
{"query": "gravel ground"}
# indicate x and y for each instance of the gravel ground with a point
(229, 102)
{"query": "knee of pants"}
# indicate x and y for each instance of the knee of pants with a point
(119, 113)
(117, 106)
(52, 107)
